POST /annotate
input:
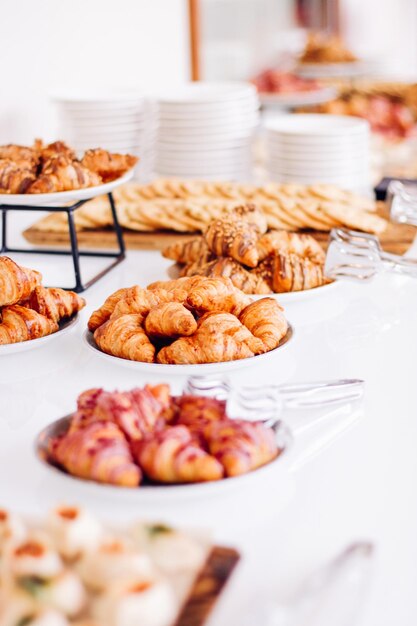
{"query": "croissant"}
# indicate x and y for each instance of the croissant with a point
(284, 241)
(139, 300)
(63, 174)
(217, 294)
(251, 214)
(235, 238)
(170, 320)
(55, 303)
(239, 445)
(19, 323)
(204, 347)
(265, 319)
(52, 150)
(107, 165)
(16, 282)
(196, 412)
(173, 456)
(291, 272)
(102, 314)
(15, 178)
(189, 251)
(124, 337)
(183, 284)
(97, 452)
(251, 283)
(228, 324)
(26, 158)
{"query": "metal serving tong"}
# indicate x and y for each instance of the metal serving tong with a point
(359, 256)
(267, 402)
(402, 202)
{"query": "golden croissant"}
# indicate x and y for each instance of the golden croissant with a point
(15, 178)
(173, 456)
(55, 303)
(249, 213)
(290, 272)
(179, 284)
(97, 452)
(16, 282)
(240, 446)
(228, 324)
(189, 251)
(19, 323)
(217, 294)
(248, 282)
(107, 165)
(233, 238)
(265, 319)
(124, 337)
(204, 347)
(102, 314)
(63, 174)
(26, 158)
(283, 241)
(138, 300)
(171, 319)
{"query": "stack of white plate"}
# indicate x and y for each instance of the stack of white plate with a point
(118, 121)
(206, 130)
(314, 148)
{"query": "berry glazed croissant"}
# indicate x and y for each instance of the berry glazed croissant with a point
(196, 412)
(97, 452)
(204, 347)
(16, 282)
(265, 319)
(19, 323)
(55, 303)
(107, 165)
(125, 338)
(234, 238)
(102, 314)
(171, 319)
(217, 294)
(173, 456)
(240, 446)
(63, 174)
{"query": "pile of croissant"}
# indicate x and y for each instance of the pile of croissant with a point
(122, 438)
(55, 167)
(27, 309)
(187, 321)
(238, 247)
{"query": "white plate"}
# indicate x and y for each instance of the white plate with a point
(318, 125)
(159, 492)
(300, 98)
(32, 344)
(207, 92)
(62, 197)
(298, 296)
(188, 370)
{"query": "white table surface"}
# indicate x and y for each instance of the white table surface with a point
(351, 477)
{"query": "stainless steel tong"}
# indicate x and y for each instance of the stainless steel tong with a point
(359, 256)
(267, 402)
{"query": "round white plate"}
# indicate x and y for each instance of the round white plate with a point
(316, 125)
(32, 344)
(200, 92)
(150, 492)
(298, 99)
(62, 197)
(188, 370)
(298, 296)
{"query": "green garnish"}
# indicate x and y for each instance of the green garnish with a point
(32, 585)
(158, 529)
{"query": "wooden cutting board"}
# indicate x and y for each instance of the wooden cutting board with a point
(396, 239)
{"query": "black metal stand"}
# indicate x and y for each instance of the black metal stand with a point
(75, 252)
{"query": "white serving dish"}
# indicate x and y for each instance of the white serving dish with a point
(316, 125)
(189, 370)
(24, 346)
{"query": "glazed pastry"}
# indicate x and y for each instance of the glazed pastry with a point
(247, 282)
(108, 166)
(97, 452)
(73, 530)
(170, 320)
(55, 303)
(26, 158)
(15, 178)
(229, 325)
(19, 323)
(173, 456)
(196, 412)
(102, 314)
(16, 282)
(189, 251)
(284, 241)
(217, 294)
(265, 319)
(251, 214)
(240, 446)
(124, 337)
(179, 284)
(52, 150)
(63, 174)
(138, 300)
(233, 238)
(204, 347)
(290, 272)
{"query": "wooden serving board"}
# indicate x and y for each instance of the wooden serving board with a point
(208, 586)
(396, 239)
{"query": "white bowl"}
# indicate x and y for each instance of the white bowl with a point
(33, 344)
